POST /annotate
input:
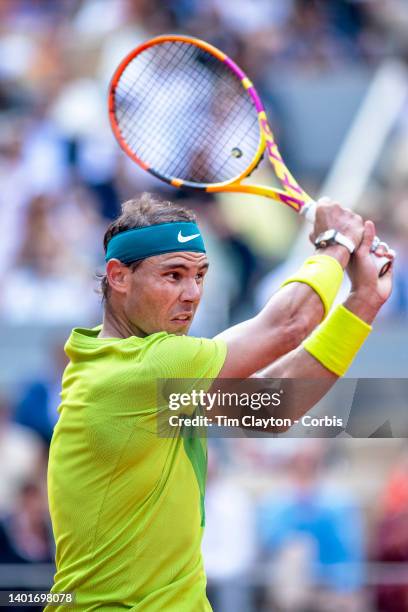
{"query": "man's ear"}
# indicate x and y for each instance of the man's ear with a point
(118, 276)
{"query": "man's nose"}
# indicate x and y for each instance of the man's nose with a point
(191, 291)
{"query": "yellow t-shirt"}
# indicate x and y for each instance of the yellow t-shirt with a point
(126, 504)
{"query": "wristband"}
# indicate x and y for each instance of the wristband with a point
(337, 341)
(323, 274)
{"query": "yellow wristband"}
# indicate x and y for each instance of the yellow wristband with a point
(323, 274)
(337, 341)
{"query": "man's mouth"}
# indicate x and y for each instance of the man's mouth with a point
(183, 317)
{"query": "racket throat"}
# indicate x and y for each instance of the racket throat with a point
(260, 190)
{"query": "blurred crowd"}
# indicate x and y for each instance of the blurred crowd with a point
(62, 180)
(63, 176)
(314, 531)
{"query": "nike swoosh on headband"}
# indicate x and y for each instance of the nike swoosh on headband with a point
(182, 238)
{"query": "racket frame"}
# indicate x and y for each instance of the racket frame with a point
(292, 194)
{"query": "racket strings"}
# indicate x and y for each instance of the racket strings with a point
(135, 73)
(178, 170)
(247, 134)
(178, 123)
(207, 140)
(148, 143)
(143, 140)
(184, 113)
(206, 163)
(235, 118)
(131, 79)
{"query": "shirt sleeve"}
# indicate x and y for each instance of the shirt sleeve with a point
(184, 365)
(190, 358)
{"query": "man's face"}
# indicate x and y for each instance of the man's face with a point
(165, 291)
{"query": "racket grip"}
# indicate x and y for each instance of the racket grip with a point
(381, 262)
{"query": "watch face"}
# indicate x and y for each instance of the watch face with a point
(332, 236)
(325, 239)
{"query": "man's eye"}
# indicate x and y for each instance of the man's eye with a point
(200, 277)
(173, 275)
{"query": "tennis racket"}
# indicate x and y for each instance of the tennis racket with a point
(186, 113)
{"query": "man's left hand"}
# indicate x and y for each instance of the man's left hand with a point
(366, 285)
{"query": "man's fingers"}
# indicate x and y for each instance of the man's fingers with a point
(368, 237)
(382, 250)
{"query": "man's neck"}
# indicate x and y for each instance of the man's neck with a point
(117, 326)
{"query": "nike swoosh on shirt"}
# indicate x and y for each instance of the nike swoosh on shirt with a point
(182, 238)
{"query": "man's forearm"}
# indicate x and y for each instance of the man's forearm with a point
(299, 362)
(286, 320)
(308, 380)
(304, 382)
(299, 300)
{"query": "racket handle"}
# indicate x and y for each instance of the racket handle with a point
(382, 263)
(308, 210)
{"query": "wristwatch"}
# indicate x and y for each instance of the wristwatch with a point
(332, 236)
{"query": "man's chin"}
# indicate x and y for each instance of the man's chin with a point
(180, 328)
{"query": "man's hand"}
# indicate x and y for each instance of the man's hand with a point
(330, 215)
(368, 290)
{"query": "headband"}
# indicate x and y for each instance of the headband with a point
(143, 242)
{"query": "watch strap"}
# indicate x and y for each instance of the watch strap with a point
(322, 241)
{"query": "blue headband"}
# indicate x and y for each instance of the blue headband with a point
(143, 242)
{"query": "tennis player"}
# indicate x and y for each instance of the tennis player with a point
(127, 505)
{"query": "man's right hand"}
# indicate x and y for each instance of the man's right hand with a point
(293, 311)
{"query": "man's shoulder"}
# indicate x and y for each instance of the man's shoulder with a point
(188, 356)
(178, 345)
(170, 354)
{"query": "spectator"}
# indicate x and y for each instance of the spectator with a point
(310, 527)
(37, 406)
(48, 281)
(391, 540)
(21, 456)
(25, 533)
(229, 541)
(25, 540)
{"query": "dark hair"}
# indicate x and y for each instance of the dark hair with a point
(142, 212)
